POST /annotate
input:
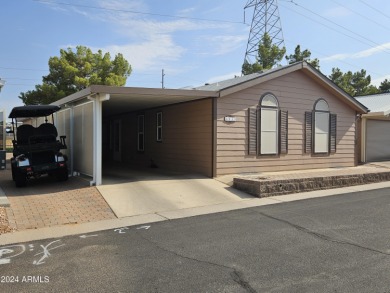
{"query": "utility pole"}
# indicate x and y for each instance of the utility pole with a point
(162, 79)
(265, 19)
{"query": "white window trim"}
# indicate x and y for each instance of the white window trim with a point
(276, 131)
(315, 132)
(274, 107)
(323, 149)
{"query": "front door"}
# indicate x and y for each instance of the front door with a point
(117, 140)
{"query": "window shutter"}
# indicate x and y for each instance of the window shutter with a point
(308, 131)
(252, 132)
(283, 132)
(332, 133)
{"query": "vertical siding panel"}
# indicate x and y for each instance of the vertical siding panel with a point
(252, 131)
(283, 132)
(333, 133)
(308, 132)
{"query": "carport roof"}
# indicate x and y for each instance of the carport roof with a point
(378, 104)
(135, 98)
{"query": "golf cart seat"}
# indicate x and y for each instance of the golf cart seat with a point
(48, 132)
(24, 132)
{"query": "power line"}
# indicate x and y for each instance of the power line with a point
(373, 8)
(343, 27)
(361, 15)
(338, 31)
(340, 61)
(139, 12)
(24, 69)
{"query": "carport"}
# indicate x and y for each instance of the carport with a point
(139, 127)
(375, 126)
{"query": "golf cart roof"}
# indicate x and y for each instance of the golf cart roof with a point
(33, 111)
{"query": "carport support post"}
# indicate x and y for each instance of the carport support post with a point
(97, 137)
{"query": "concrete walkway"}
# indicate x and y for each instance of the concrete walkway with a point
(165, 192)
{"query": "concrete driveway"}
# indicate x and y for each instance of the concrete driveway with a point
(136, 192)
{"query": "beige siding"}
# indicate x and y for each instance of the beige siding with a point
(62, 122)
(296, 94)
(83, 138)
(187, 138)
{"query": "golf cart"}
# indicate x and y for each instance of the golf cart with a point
(36, 149)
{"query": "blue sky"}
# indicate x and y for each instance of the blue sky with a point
(349, 34)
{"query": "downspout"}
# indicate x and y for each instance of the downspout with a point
(214, 137)
(363, 143)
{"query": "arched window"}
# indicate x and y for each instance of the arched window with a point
(267, 128)
(321, 127)
(269, 125)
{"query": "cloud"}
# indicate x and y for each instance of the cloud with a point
(377, 81)
(360, 54)
(152, 41)
(224, 44)
(337, 12)
(148, 55)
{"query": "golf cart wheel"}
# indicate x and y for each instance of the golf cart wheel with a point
(62, 174)
(20, 179)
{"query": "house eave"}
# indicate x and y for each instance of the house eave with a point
(309, 71)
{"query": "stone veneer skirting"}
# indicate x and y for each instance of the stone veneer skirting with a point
(261, 187)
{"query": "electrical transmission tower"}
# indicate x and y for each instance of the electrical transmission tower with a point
(265, 19)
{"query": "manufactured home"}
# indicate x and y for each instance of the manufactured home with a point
(287, 118)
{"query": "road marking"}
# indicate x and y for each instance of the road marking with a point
(143, 227)
(120, 230)
(86, 236)
(8, 252)
(46, 252)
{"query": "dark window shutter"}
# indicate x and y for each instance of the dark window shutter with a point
(333, 133)
(283, 131)
(308, 131)
(252, 132)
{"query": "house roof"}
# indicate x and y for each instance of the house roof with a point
(134, 99)
(239, 83)
(378, 104)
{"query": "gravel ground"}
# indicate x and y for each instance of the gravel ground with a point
(4, 227)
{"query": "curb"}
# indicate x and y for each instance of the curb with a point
(68, 230)
(4, 202)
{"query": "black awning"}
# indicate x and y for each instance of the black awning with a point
(33, 111)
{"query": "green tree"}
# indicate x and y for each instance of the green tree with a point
(75, 70)
(385, 86)
(302, 56)
(355, 84)
(268, 56)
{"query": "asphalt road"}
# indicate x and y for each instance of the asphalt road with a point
(333, 244)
